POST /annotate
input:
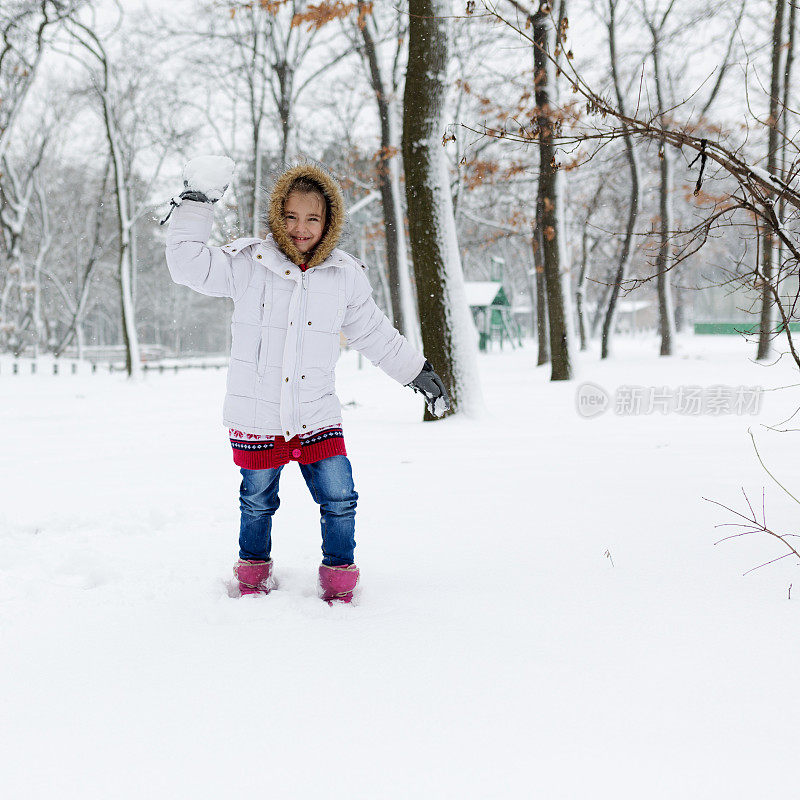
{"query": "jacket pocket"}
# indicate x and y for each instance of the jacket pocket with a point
(261, 351)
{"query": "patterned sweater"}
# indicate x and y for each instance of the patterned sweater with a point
(256, 451)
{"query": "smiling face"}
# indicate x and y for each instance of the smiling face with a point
(304, 216)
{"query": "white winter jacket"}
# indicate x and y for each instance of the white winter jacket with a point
(286, 323)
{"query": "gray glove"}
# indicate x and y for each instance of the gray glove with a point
(430, 386)
(192, 194)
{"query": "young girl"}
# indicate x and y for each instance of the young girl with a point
(293, 293)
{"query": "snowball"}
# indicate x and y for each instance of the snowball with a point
(439, 406)
(210, 175)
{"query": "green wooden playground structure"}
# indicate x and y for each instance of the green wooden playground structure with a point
(491, 312)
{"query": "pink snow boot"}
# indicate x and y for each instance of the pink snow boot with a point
(337, 583)
(255, 577)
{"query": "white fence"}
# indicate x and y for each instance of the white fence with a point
(47, 365)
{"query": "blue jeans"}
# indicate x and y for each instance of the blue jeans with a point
(330, 482)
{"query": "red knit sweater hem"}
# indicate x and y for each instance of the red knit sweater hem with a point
(274, 452)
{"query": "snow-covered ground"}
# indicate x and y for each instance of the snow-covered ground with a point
(543, 612)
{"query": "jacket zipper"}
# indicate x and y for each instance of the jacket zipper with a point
(301, 333)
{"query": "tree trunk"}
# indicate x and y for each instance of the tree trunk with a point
(129, 337)
(549, 219)
(583, 276)
(633, 207)
(666, 312)
(380, 268)
(787, 82)
(580, 291)
(784, 138)
(124, 263)
(134, 248)
(402, 301)
(45, 240)
(448, 333)
(285, 76)
(599, 314)
(258, 168)
(542, 335)
(766, 324)
(542, 328)
(75, 328)
(12, 301)
(681, 320)
(532, 294)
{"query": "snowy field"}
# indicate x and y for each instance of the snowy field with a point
(543, 612)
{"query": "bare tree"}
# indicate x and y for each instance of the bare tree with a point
(119, 92)
(19, 283)
(755, 190)
(767, 272)
(787, 83)
(447, 328)
(656, 19)
(24, 27)
(45, 241)
(542, 337)
(633, 205)
(550, 199)
(103, 76)
(77, 304)
(583, 275)
(384, 87)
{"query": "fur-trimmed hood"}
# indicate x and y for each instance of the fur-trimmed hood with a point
(334, 223)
